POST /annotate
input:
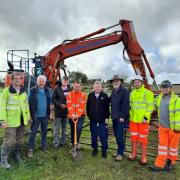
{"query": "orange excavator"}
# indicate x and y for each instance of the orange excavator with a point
(53, 61)
(51, 64)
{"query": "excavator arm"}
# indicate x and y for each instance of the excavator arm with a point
(54, 59)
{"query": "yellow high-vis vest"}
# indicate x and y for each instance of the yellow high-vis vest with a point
(12, 107)
(174, 110)
(141, 104)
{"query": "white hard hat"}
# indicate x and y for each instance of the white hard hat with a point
(138, 77)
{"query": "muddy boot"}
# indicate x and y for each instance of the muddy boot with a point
(17, 154)
(4, 157)
(133, 154)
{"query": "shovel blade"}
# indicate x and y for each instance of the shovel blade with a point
(77, 155)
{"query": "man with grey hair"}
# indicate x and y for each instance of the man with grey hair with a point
(98, 113)
(119, 114)
(39, 102)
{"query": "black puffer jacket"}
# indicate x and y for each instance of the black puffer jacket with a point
(59, 98)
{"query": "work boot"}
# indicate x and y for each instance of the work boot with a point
(156, 168)
(30, 153)
(118, 157)
(17, 154)
(5, 165)
(104, 154)
(143, 154)
(43, 148)
(4, 157)
(94, 153)
(133, 154)
(169, 165)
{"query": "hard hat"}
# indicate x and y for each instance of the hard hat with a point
(166, 84)
(138, 77)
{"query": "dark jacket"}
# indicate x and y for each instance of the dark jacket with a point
(13, 91)
(33, 101)
(59, 98)
(98, 108)
(120, 103)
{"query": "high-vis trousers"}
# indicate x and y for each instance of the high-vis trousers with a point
(168, 146)
(139, 132)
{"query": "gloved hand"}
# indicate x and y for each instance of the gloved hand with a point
(176, 131)
(145, 120)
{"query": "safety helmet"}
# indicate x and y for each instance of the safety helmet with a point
(166, 84)
(138, 77)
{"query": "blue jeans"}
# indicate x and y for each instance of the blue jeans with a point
(59, 123)
(34, 128)
(119, 134)
(101, 130)
(79, 129)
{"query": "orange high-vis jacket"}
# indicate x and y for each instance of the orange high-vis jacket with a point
(76, 103)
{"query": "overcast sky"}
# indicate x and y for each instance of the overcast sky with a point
(39, 25)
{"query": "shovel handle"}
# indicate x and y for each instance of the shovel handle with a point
(75, 121)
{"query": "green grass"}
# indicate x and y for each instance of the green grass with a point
(59, 164)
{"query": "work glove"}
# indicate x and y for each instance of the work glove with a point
(176, 131)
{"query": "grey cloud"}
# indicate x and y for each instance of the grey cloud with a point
(39, 25)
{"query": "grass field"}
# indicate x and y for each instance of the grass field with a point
(59, 164)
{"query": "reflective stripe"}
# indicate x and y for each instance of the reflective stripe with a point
(138, 107)
(143, 102)
(162, 153)
(15, 108)
(70, 108)
(134, 133)
(142, 136)
(149, 111)
(173, 154)
(175, 122)
(83, 101)
(162, 147)
(80, 110)
(173, 149)
(68, 101)
(138, 102)
(12, 102)
(25, 107)
(75, 105)
(150, 103)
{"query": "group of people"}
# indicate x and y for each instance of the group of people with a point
(128, 110)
